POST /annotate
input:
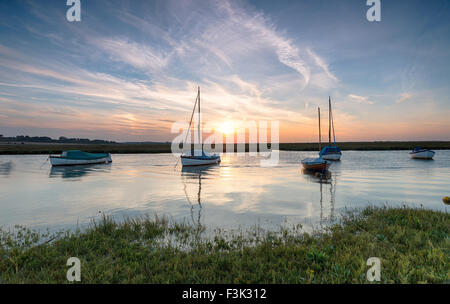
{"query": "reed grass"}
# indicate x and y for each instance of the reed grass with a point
(56, 148)
(412, 243)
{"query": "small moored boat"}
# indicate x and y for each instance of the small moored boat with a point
(77, 157)
(331, 153)
(199, 158)
(316, 164)
(421, 153)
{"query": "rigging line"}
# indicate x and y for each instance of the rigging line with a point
(192, 205)
(44, 162)
(189, 129)
(190, 122)
(186, 194)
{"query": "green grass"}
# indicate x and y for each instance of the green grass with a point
(31, 148)
(413, 245)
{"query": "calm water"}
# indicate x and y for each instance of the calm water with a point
(238, 193)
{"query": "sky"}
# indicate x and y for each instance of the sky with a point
(130, 69)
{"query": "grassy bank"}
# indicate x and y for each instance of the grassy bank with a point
(31, 148)
(374, 145)
(55, 148)
(413, 245)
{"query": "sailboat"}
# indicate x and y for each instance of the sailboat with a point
(421, 153)
(198, 157)
(77, 157)
(316, 164)
(330, 152)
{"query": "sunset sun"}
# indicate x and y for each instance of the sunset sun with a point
(226, 128)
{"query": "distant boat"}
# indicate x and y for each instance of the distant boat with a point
(316, 164)
(77, 157)
(421, 153)
(198, 157)
(330, 152)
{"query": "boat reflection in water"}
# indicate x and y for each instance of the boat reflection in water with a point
(74, 172)
(317, 176)
(5, 168)
(325, 180)
(192, 178)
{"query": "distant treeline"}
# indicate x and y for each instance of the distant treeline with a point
(369, 146)
(21, 147)
(46, 139)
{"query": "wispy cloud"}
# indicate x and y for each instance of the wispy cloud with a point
(322, 64)
(404, 97)
(257, 30)
(360, 99)
(137, 55)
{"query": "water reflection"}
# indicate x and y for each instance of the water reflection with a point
(192, 181)
(5, 168)
(238, 193)
(324, 179)
(318, 177)
(332, 197)
(78, 171)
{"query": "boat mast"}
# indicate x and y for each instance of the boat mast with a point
(320, 135)
(190, 124)
(199, 122)
(332, 124)
(329, 121)
(334, 134)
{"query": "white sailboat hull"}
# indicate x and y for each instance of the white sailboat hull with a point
(422, 154)
(60, 161)
(333, 156)
(188, 161)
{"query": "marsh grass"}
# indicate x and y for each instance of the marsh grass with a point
(413, 245)
(371, 146)
(124, 148)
